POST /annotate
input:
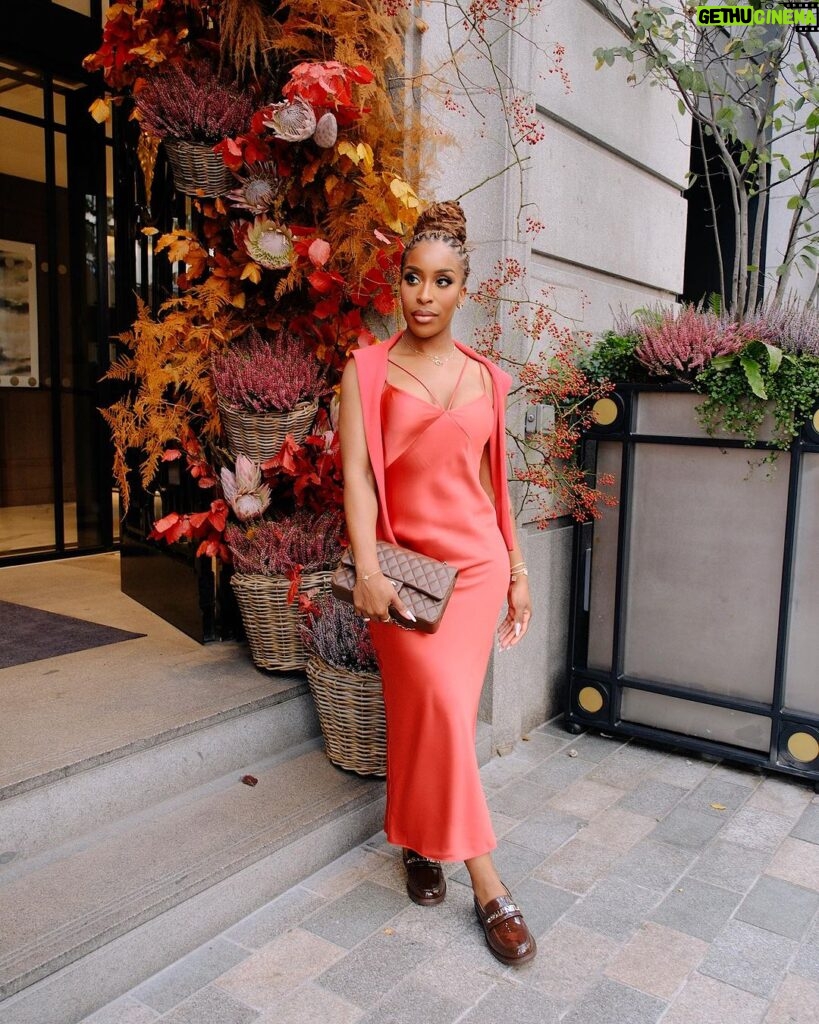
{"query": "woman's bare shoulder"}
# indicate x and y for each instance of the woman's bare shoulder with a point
(500, 375)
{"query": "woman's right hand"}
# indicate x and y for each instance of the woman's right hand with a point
(373, 598)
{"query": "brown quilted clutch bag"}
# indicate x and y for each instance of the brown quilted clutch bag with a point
(424, 584)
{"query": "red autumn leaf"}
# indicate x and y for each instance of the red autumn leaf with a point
(249, 780)
(161, 526)
(213, 547)
(362, 74)
(285, 458)
(327, 308)
(231, 152)
(294, 575)
(256, 150)
(198, 519)
(319, 252)
(171, 455)
(257, 122)
(170, 528)
(218, 514)
(325, 280)
(384, 302)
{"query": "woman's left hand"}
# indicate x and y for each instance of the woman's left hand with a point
(513, 628)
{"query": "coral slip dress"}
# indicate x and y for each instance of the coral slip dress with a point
(432, 682)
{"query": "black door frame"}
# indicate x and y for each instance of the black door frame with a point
(52, 41)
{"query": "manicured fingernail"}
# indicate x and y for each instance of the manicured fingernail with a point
(410, 615)
(518, 628)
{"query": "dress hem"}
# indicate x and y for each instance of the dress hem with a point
(444, 858)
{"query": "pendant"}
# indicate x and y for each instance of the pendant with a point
(437, 360)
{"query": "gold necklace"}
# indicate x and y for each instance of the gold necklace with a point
(433, 359)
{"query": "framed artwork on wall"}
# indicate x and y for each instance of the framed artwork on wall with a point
(19, 355)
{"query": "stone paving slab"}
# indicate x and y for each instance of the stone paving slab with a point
(663, 888)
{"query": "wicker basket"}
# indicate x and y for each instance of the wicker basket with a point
(197, 170)
(351, 712)
(271, 624)
(260, 435)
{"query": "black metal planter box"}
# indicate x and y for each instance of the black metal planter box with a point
(695, 611)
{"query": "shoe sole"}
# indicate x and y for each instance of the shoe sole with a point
(426, 901)
(512, 961)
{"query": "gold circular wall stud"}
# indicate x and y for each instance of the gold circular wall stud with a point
(816, 421)
(803, 747)
(590, 699)
(605, 411)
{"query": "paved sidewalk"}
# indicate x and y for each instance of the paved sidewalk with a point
(660, 886)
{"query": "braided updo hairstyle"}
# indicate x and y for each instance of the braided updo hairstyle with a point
(441, 222)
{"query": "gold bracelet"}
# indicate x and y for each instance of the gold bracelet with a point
(519, 571)
(517, 565)
(364, 577)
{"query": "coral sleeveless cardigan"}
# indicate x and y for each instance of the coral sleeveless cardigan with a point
(371, 367)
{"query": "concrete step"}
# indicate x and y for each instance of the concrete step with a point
(107, 782)
(83, 923)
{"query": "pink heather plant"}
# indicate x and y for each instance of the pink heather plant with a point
(684, 343)
(299, 543)
(792, 325)
(257, 376)
(337, 635)
(193, 103)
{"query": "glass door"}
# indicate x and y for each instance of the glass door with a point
(55, 317)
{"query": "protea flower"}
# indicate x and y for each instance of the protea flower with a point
(292, 121)
(270, 244)
(257, 189)
(326, 131)
(244, 490)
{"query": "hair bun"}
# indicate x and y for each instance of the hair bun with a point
(448, 218)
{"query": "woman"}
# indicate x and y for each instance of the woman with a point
(422, 443)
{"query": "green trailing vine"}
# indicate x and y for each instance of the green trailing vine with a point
(742, 389)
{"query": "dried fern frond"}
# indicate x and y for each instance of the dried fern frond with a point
(169, 364)
(245, 43)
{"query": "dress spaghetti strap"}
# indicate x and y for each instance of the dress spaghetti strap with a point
(457, 384)
(435, 399)
(486, 390)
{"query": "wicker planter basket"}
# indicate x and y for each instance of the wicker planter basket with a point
(260, 435)
(271, 624)
(197, 170)
(351, 712)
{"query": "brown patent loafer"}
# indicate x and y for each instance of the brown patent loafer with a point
(426, 884)
(507, 936)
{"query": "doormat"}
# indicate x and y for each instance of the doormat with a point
(30, 634)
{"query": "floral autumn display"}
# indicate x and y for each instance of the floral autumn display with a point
(299, 250)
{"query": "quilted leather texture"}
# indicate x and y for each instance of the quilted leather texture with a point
(424, 584)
